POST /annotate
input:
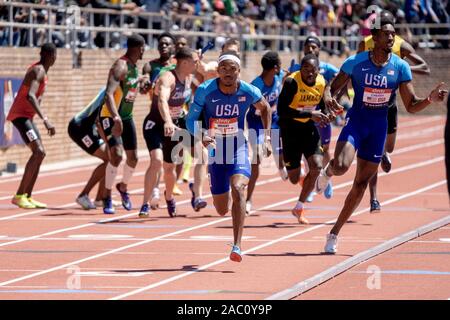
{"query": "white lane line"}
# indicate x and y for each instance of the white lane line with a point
(186, 274)
(151, 239)
(50, 233)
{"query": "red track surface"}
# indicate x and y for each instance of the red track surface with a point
(51, 254)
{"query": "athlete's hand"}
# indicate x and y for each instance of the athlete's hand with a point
(144, 84)
(334, 106)
(117, 127)
(319, 117)
(208, 141)
(169, 128)
(50, 128)
(267, 147)
(438, 94)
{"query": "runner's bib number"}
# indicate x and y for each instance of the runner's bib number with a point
(376, 97)
(223, 127)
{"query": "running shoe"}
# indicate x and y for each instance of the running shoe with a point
(144, 211)
(99, 203)
(236, 254)
(375, 206)
(328, 192)
(171, 207)
(108, 207)
(125, 196)
(248, 207)
(310, 197)
(85, 202)
(331, 245)
(37, 204)
(386, 163)
(300, 215)
(177, 191)
(197, 203)
(154, 203)
(322, 181)
(21, 200)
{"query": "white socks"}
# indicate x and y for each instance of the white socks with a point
(110, 176)
(299, 205)
(127, 174)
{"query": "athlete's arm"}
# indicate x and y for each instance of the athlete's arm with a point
(415, 104)
(419, 65)
(164, 86)
(333, 91)
(266, 114)
(37, 75)
(116, 74)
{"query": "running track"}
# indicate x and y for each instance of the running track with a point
(67, 253)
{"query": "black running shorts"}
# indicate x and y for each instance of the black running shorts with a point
(299, 139)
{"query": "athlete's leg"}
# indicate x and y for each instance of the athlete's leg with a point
(315, 165)
(364, 172)
(152, 173)
(99, 172)
(32, 168)
(256, 162)
(222, 203)
(238, 185)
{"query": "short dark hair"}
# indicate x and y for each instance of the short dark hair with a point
(48, 48)
(231, 41)
(184, 53)
(310, 56)
(313, 39)
(269, 60)
(168, 35)
(384, 20)
(135, 40)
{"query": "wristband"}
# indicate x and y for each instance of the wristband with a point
(429, 99)
(44, 119)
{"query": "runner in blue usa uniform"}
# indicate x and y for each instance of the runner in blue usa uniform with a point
(269, 82)
(375, 76)
(224, 102)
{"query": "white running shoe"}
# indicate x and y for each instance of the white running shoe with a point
(248, 207)
(154, 203)
(322, 182)
(283, 173)
(331, 245)
(85, 202)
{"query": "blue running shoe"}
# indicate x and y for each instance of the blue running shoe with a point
(126, 203)
(108, 207)
(171, 207)
(328, 192)
(144, 211)
(197, 203)
(235, 254)
(310, 198)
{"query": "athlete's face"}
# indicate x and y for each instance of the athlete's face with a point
(311, 47)
(309, 72)
(385, 37)
(181, 42)
(166, 47)
(278, 68)
(228, 72)
(191, 64)
(141, 51)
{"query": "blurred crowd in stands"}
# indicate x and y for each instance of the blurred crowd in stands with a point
(225, 17)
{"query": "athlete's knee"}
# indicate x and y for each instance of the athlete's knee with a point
(339, 167)
(116, 158)
(361, 184)
(314, 169)
(238, 190)
(294, 179)
(39, 154)
(221, 208)
(132, 161)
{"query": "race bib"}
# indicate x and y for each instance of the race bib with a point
(105, 123)
(374, 97)
(149, 125)
(223, 127)
(131, 95)
(31, 134)
(87, 141)
(175, 112)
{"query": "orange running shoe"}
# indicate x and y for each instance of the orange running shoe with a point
(300, 215)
